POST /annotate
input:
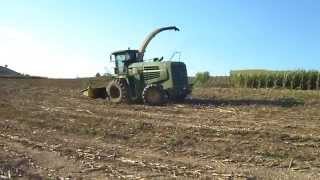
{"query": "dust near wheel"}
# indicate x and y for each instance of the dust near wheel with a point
(153, 95)
(118, 91)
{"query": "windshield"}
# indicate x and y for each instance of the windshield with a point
(123, 60)
(120, 59)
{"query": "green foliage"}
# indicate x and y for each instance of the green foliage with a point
(299, 79)
(201, 78)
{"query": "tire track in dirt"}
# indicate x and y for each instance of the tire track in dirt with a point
(193, 132)
(150, 161)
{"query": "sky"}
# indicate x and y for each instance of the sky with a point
(69, 39)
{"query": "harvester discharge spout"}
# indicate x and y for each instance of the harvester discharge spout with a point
(147, 40)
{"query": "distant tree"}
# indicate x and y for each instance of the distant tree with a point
(201, 78)
(6, 66)
(98, 75)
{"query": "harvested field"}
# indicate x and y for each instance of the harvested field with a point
(48, 130)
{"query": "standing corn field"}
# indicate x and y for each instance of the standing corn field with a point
(299, 79)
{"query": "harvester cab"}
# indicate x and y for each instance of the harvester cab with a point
(123, 59)
(152, 82)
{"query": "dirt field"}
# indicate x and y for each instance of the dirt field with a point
(48, 130)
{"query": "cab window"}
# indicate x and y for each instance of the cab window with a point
(120, 60)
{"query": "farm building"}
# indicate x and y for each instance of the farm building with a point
(5, 71)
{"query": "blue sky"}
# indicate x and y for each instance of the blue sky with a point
(74, 38)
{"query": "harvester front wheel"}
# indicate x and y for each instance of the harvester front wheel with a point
(153, 95)
(118, 91)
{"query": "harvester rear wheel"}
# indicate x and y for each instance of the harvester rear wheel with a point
(153, 95)
(118, 91)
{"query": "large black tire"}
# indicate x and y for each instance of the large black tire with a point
(154, 95)
(118, 91)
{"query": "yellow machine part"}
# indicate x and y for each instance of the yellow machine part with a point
(95, 92)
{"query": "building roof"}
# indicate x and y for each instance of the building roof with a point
(5, 71)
